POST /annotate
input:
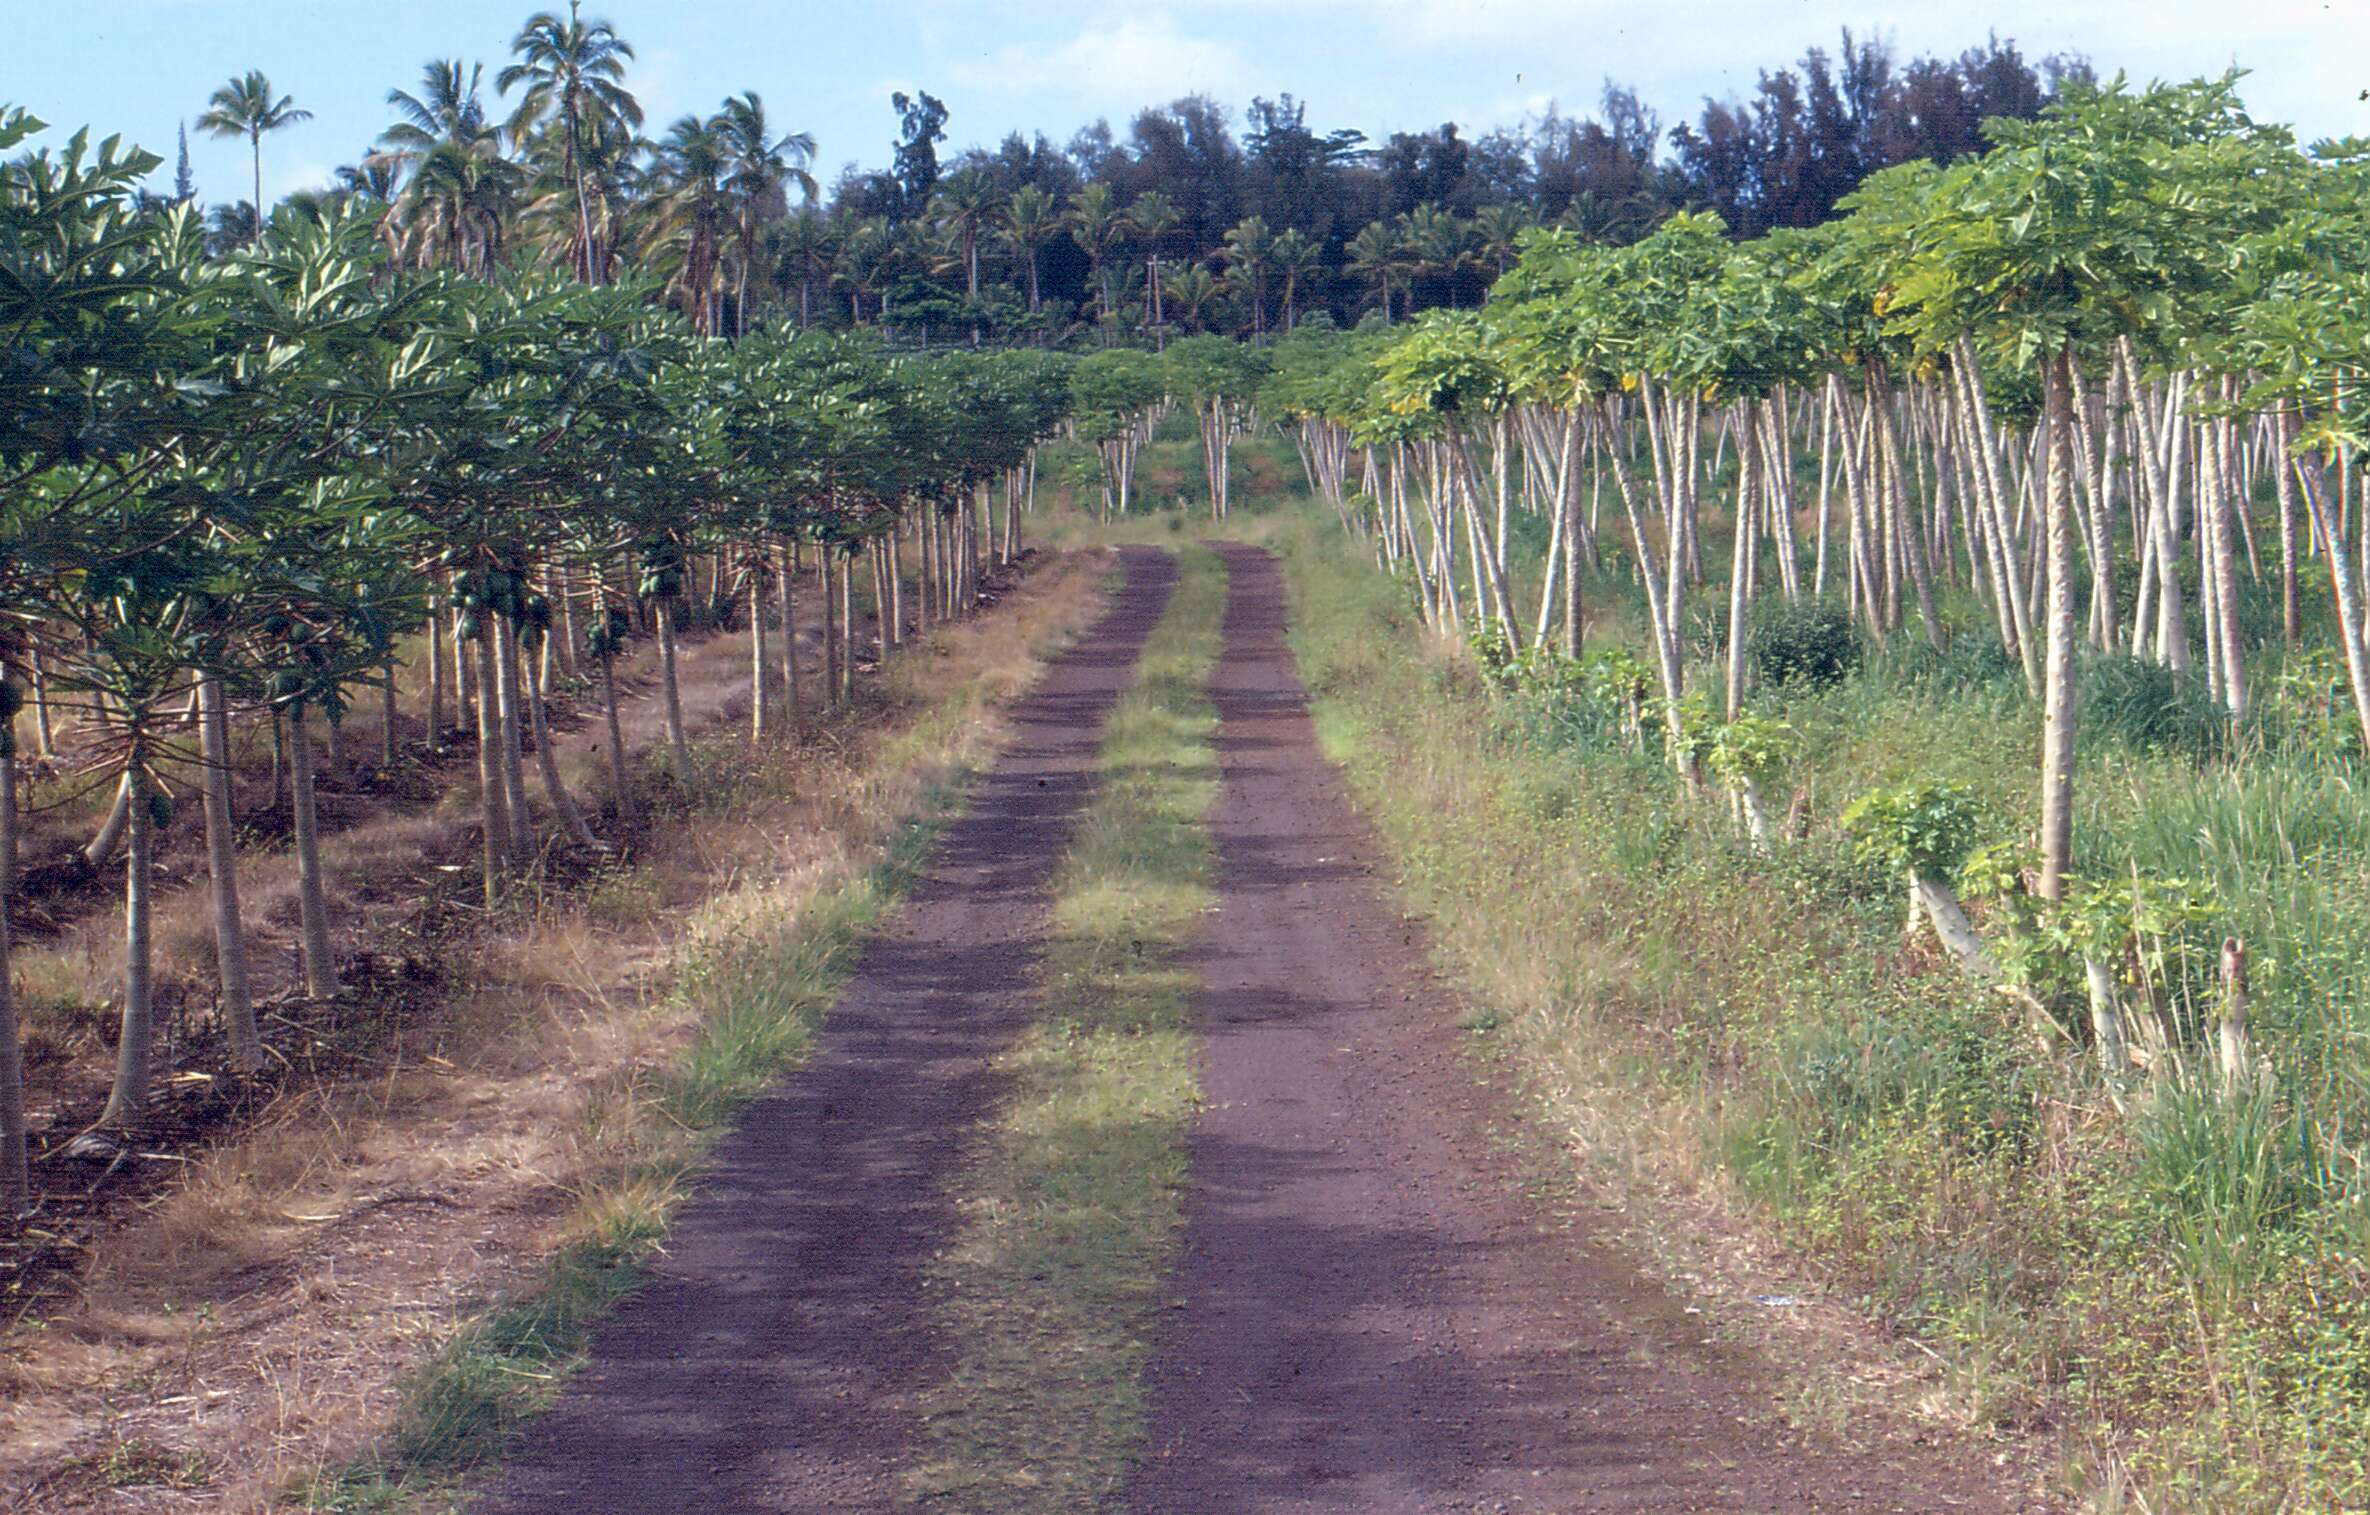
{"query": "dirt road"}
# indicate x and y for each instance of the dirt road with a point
(766, 1365)
(1373, 1320)
(1373, 1317)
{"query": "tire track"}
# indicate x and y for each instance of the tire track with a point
(1371, 1319)
(770, 1362)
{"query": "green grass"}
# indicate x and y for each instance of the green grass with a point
(2181, 1289)
(1071, 1219)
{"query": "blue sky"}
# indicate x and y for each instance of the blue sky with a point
(139, 66)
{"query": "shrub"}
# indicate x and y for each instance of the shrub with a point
(1493, 652)
(1751, 748)
(1810, 642)
(1921, 829)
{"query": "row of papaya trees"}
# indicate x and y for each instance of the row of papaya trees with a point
(256, 489)
(2095, 393)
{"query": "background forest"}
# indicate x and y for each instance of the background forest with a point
(1185, 220)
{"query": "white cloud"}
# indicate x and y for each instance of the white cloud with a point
(657, 85)
(281, 180)
(1131, 61)
(2305, 56)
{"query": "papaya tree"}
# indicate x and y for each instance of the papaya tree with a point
(1219, 378)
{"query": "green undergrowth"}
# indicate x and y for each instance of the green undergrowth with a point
(2179, 1290)
(1071, 1218)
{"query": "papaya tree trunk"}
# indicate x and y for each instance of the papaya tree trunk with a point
(2057, 713)
(547, 764)
(463, 714)
(2237, 1067)
(387, 719)
(320, 967)
(2106, 1020)
(760, 674)
(563, 604)
(786, 577)
(1748, 794)
(435, 673)
(2291, 604)
(507, 698)
(2346, 590)
(620, 781)
(847, 627)
(1739, 576)
(677, 742)
(16, 1188)
(127, 1102)
(222, 868)
(493, 800)
(828, 589)
(2222, 558)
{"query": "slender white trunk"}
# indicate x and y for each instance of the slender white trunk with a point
(677, 743)
(127, 1102)
(493, 798)
(222, 867)
(312, 901)
(16, 1187)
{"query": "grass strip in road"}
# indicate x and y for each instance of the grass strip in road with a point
(1072, 1216)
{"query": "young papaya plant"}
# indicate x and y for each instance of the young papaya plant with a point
(1747, 753)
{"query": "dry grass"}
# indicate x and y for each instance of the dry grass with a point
(275, 1301)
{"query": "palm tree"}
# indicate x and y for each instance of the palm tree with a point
(1499, 229)
(803, 246)
(617, 183)
(694, 213)
(460, 186)
(1151, 218)
(761, 164)
(572, 70)
(231, 226)
(1298, 259)
(862, 266)
(1436, 244)
(245, 108)
(1095, 225)
(1191, 286)
(374, 178)
(1030, 221)
(961, 208)
(1250, 249)
(1377, 256)
(447, 109)
(454, 206)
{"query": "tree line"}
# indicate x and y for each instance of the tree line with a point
(1177, 225)
(252, 488)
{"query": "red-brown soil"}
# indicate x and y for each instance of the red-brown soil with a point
(1373, 1317)
(771, 1362)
